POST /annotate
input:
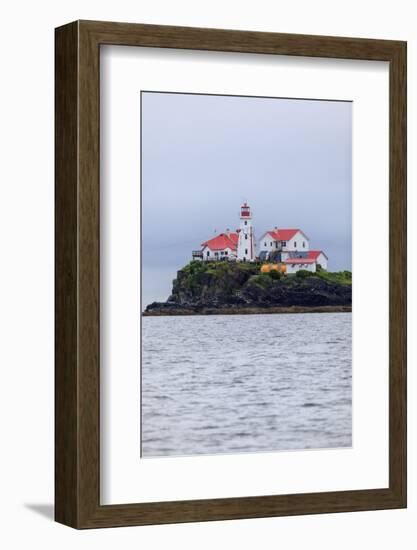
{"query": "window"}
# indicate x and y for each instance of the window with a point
(284, 243)
(225, 252)
(270, 243)
(216, 253)
(246, 250)
(246, 236)
(304, 244)
(208, 252)
(295, 244)
(265, 244)
(246, 222)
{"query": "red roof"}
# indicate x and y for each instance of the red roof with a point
(234, 237)
(222, 241)
(312, 256)
(283, 234)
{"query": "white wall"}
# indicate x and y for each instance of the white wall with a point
(26, 218)
(296, 243)
(267, 243)
(322, 260)
(293, 268)
(212, 256)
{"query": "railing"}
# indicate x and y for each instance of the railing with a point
(218, 258)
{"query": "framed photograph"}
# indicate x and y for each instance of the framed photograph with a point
(230, 274)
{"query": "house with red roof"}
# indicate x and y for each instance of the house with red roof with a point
(306, 260)
(219, 247)
(292, 248)
(284, 241)
(236, 245)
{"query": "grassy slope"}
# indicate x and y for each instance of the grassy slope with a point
(342, 277)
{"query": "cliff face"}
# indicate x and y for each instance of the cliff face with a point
(233, 287)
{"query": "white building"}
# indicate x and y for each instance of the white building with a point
(220, 247)
(309, 261)
(292, 248)
(231, 245)
(285, 241)
(246, 237)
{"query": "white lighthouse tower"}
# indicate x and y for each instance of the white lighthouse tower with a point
(246, 240)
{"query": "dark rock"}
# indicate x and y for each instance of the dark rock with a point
(231, 287)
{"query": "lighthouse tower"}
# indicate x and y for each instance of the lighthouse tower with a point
(246, 241)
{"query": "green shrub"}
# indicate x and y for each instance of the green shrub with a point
(273, 274)
(303, 273)
(262, 279)
(193, 267)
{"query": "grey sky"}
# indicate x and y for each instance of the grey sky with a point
(203, 155)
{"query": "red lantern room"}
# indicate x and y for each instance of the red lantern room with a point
(245, 211)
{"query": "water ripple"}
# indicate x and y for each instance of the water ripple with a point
(286, 385)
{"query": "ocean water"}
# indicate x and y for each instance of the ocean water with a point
(246, 383)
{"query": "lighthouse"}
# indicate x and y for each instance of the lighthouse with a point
(246, 240)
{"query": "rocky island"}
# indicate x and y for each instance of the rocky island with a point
(213, 288)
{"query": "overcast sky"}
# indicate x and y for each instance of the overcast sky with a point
(203, 155)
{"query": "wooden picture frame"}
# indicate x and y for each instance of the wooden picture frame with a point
(77, 382)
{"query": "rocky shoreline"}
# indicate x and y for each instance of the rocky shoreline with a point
(230, 288)
(166, 309)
